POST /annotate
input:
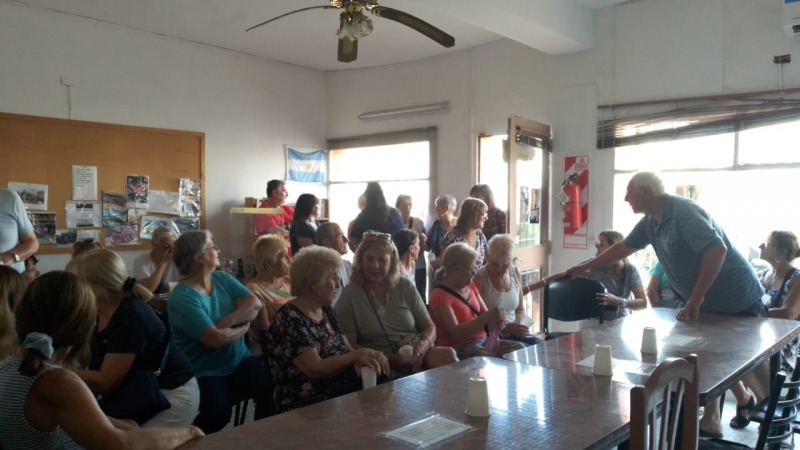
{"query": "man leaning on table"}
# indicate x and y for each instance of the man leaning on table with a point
(17, 240)
(696, 256)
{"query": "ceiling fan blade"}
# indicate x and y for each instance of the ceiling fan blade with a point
(348, 50)
(416, 23)
(288, 14)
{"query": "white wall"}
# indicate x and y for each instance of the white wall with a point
(247, 108)
(647, 50)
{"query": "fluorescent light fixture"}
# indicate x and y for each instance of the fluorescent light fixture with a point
(405, 112)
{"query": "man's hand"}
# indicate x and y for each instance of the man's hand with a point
(691, 311)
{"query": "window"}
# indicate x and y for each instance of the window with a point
(747, 197)
(401, 162)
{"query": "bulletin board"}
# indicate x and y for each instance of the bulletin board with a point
(41, 150)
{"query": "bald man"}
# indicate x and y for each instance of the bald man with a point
(330, 235)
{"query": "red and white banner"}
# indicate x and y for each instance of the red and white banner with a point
(574, 197)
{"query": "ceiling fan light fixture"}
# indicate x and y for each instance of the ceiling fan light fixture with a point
(354, 26)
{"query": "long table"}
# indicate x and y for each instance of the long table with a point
(728, 347)
(532, 407)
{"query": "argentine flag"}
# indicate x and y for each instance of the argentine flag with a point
(305, 167)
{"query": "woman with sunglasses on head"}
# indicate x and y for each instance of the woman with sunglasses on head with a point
(462, 319)
(310, 358)
(47, 406)
(210, 311)
(499, 283)
(469, 229)
(379, 309)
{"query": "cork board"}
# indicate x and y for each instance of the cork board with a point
(41, 150)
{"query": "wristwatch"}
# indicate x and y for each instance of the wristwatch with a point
(16, 257)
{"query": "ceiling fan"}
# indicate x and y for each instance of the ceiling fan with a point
(354, 24)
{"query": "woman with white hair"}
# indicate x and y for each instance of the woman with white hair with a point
(154, 270)
(500, 284)
(445, 220)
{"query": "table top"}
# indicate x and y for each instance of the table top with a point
(531, 407)
(728, 347)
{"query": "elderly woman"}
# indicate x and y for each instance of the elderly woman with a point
(130, 337)
(499, 283)
(380, 309)
(445, 220)
(271, 283)
(376, 215)
(468, 229)
(462, 319)
(209, 313)
(495, 217)
(407, 244)
(84, 245)
(304, 222)
(46, 405)
(310, 359)
(12, 285)
(154, 270)
(404, 205)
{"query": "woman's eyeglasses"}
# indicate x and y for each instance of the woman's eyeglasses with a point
(376, 235)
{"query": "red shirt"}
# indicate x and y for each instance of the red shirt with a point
(441, 299)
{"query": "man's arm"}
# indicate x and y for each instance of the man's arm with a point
(28, 245)
(613, 254)
(712, 263)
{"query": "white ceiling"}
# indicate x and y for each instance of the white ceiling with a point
(308, 39)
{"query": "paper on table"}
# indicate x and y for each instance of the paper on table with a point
(679, 340)
(623, 365)
(428, 431)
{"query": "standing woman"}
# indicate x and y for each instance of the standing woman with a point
(45, 405)
(407, 244)
(404, 204)
(445, 220)
(496, 218)
(469, 229)
(155, 270)
(12, 285)
(209, 313)
(129, 337)
(377, 215)
(304, 222)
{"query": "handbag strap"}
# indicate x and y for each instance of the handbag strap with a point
(164, 352)
(464, 301)
(378, 316)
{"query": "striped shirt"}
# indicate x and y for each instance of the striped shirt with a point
(15, 431)
(685, 233)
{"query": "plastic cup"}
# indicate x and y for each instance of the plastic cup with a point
(406, 352)
(369, 378)
(602, 360)
(649, 343)
(478, 398)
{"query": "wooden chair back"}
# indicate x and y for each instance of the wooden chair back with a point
(665, 405)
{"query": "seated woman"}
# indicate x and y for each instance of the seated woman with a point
(209, 313)
(310, 359)
(407, 244)
(12, 285)
(621, 280)
(381, 310)
(84, 245)
(660, 292)
(499, 285)
(46, 405)
(130, 337)
(154, 270)
(468, 229)
(462, 319)
(304, 222)
(31, 272)
(271, 283)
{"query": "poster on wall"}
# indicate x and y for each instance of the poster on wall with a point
(34, 196)
(574, 198)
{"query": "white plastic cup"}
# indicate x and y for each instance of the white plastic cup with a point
(478, 398)
(406, 352)
(602, 360)
(649, 343)
(369, 378)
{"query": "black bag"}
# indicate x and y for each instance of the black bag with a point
(139, 397)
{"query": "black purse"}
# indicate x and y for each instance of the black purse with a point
(139, 397)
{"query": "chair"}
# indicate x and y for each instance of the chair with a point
(570, 299)
(775, 428)
(664, 410)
